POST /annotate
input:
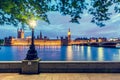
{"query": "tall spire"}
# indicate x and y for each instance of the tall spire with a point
(69, 30)
(41, 35)
(69, 33)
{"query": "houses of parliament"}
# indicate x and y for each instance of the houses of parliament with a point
(39, 41)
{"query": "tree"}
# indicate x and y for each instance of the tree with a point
(20, 11)
(99, 9)
(74, 8)
(100, 12)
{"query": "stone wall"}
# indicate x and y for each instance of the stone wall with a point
(76, 66)
(10, 66)
(63, 66)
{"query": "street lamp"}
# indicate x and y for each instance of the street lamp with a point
(32, 53)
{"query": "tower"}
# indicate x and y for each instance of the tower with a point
(20, 33)
(41, 36)
(69, 35)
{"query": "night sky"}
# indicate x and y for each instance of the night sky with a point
(60, 24)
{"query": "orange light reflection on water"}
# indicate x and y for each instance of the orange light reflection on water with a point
(69, 53)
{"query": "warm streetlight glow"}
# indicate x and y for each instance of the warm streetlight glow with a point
(32, 24)
(32, 53)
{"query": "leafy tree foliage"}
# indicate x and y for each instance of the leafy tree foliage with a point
(99, 11)
(20, 11)
(15, 11)
(74, 8)
(117, 5)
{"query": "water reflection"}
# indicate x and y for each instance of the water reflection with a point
(119, 54)
(78, 48)
(100, 54)
(49, 52)
(82, 51)
(62, 53)
(69, 53)
(116, 55)
(89, 53)
(78, 51)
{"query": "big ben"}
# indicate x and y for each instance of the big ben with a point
(69, 35)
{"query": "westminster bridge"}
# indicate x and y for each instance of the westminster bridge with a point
(101, 44)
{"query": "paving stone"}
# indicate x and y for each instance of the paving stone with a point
(61, 76)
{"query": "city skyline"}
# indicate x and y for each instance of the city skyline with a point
(60, 25)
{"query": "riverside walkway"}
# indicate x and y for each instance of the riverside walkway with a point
(61, 76)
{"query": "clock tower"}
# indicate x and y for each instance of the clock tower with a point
(69, 35)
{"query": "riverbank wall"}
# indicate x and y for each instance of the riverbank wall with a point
(64, 67)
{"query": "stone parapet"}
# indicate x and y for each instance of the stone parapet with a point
(10, 66)
(32, 67)
(79, 66)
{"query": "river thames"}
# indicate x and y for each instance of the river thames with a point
(61, 53)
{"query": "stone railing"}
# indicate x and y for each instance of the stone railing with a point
(61, 66)
(10, 66)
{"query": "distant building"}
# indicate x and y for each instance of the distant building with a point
(113, 39)
(9, 40)
(93, 40)
(69, 35)
(41, 36)
(20, 34)
(102, 39)
(81, 41)
(40, 40)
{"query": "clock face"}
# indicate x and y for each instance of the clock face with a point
(69, 33)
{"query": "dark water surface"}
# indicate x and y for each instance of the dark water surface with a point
(61, 53)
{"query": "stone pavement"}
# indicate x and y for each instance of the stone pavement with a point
(61, 76)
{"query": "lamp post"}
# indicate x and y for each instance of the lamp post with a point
(30, 65)
(32, 53)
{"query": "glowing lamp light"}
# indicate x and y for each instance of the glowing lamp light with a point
(32, 53)
(32, 24)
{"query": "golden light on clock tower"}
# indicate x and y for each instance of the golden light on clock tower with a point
(69, 35)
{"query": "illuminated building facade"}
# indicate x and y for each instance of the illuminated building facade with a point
(40, 40)
(45, 41)
(20, 34)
